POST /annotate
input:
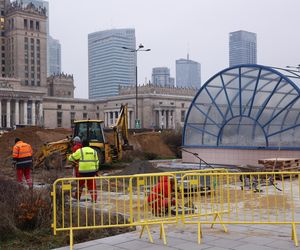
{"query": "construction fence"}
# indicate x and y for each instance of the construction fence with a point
(191, 197)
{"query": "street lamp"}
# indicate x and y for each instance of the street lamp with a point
(294, 67)
(139, 48)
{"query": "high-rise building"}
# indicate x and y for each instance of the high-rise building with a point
(53, 46)
(110, 66)
(242, 48)
(26, 44)
(161, 76)
(54, 66)
(188, 73)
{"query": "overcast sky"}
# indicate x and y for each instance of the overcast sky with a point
(171, 28)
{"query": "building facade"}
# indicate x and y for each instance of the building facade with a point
(159, 107)
(242, 48)
(110, 66)
(188, 73)
(53, 45)
(161, 76)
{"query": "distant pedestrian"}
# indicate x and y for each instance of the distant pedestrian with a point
(88, 167)
(77, 145)
(22, 157)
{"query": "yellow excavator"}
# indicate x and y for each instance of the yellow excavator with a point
(53, 154)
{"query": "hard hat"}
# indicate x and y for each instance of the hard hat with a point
(76, 139)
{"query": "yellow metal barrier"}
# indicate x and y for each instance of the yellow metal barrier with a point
(193, 197)
(241, 198)
(154, 196)
(91, 203)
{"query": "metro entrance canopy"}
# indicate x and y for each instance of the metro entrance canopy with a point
(246, 106)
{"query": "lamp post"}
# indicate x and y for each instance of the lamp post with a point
(139, 48)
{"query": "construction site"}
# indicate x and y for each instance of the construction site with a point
(234, 163)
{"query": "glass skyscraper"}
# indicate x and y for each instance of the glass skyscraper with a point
(161, 76)
(188, 73)
(242, 48)
(55, 56)
(110, 66)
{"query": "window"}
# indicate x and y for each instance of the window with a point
(58, 106)
(72, 107)
(72, 118)
(25, 24)
(182, 105)
(31, 24)
(97, 107)
(59, 119)
(160, 103)
(182, 115)
(97, 115)
(84, 107)
(84, 116)
(37, 25)
(172, 103)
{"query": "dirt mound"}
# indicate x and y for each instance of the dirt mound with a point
(148, 142)
(139, 167)
(36, 137)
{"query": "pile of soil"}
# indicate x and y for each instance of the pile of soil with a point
(35, 136)
(139, 167)
(147, 142)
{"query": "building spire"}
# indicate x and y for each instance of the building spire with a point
(188, 56)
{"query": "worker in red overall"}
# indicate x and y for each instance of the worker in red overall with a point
(77, 145)
(161, 196)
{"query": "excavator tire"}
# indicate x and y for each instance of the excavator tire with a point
(54, 161)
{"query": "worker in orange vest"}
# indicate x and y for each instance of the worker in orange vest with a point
(161, 197)
(22, 157)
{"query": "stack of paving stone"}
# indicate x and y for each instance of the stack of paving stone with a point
(280, 164)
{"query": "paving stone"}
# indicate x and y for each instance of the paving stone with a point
(249, 246)
(257, 240)
(192, 246)
(134, 244)
(283, 244)
(225, 243)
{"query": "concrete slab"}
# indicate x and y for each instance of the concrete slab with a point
(240, 237)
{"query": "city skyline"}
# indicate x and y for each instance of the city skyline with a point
(203, 33)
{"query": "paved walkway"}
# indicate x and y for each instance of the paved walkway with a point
(250, 237)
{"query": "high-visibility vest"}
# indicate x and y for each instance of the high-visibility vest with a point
(88, 159)
(21, 150)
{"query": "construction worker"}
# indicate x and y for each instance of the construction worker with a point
(88, 167)
(161, 198)
(22, 157)
(77, 145)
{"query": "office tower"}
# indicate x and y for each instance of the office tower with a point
(26, 44)
(161, 76)
(242, 48)
(188, 73)
(110, 66)
(55, 56)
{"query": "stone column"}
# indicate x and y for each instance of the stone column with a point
(172, 119)
(33, 113)
(17, 118)
(114, 117)
(25, 112)
(0, 114)
(8, 125)
(41, 118)
(161, 120)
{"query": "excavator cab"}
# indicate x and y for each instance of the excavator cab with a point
(92, 131)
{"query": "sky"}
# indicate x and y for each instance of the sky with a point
(173, 28)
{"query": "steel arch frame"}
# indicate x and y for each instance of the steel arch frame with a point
(243, 108)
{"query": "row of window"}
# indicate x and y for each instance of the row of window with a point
(59, 106)
(72, 118)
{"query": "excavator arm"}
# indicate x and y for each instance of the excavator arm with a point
(120, 129)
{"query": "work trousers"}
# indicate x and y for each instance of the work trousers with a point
(89, 184)
(26, 172)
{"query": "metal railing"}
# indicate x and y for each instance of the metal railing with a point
(199, 197)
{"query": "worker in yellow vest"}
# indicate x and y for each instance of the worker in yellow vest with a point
(88, 167)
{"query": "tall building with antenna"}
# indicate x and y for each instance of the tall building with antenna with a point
(188, 73)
